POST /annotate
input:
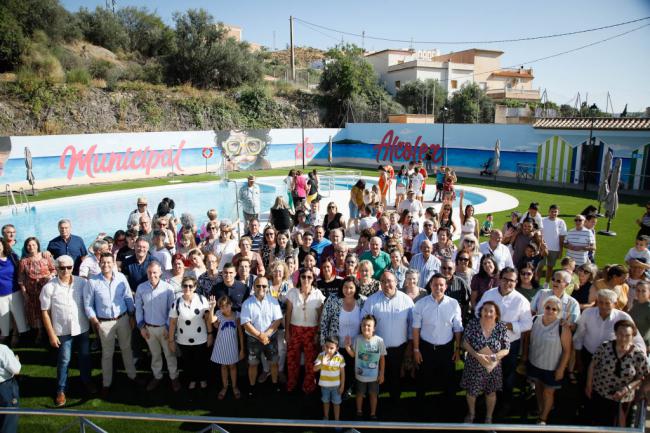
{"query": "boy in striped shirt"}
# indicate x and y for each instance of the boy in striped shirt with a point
(332, 377)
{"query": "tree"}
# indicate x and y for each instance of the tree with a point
(102, 27)
(12, 41)
(414, 94)
(46, 15)
(147, 33)
(470, 104)
(351, 89)
(204, 57)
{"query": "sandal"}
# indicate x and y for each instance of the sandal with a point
(236, 393)
(222, 393)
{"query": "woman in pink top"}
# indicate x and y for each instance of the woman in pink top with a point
(300, 187)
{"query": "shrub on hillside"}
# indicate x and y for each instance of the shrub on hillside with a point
(38, 59)
(12, 41)
(78, 75)
(98, 68)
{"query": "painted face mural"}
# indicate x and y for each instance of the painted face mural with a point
(244, 150)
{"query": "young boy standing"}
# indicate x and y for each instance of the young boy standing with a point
(332, 377)
(369, 354)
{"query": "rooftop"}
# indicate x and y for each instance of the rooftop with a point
(514, 73)
(617, 123)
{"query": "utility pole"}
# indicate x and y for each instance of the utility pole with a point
(363, 41)
(293, 53)
(274, 48)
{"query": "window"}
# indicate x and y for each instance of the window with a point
(454, 84)
(398, 84)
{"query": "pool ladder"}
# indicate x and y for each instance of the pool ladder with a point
(11, 200)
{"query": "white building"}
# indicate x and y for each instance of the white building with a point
(453, 70)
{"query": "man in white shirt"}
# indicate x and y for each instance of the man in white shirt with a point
(596, 326)
(412, 204)
(66, 324)
(437, 330)
(90, 265)
(494, 247)
(554, 232)
(515, 313)
(393, 311)
(249, 196)
(367, 220)
(140, 211)
(580, 241)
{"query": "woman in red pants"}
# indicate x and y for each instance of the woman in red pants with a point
(304, 306)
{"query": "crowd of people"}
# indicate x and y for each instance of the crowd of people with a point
(294, 300)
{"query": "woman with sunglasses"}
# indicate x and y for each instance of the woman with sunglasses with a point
(190, 314)
(470, 245)
(528, 285)
(304, 306)
(269, 243)
(546, 352)
(464, 269)
(615, 373)
(351, 266)
(163, 224)
(333, 219)
(469, 224)
(445, 219)
(211, 238)
(586, 275)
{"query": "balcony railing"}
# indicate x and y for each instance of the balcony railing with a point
(527, 94)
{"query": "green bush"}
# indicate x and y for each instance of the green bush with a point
(113, 75)
(78, 75)
(98, 68)
(153, 72)
(12, 41)
(67, 58)
(38, 59)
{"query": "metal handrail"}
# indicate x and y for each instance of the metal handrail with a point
(23, 198)
(328, 179)
(9, 193)
(388, 425)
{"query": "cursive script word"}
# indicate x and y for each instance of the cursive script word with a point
(393, 148)
(93, 163)
(309, 149)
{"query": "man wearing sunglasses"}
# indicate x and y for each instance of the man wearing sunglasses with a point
(66, 324)
(261, 316)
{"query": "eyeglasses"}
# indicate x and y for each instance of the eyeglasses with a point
(463, 259)
(446, 268)
(66, 268)
(469, 242)
(213, 228)
(306, 277)
(331, 207)
(261, 286)
(428, 225)
(526, 273)
(509, 280)
(557, 280)
(549, 308)
(188, 286)
(578, 220)
(142, 204)
(269, 234)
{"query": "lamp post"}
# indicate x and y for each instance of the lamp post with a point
(302, 127)
(444, 148)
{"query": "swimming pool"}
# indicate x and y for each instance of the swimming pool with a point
(109, 211)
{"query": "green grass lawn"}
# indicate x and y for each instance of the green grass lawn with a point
(38, 383)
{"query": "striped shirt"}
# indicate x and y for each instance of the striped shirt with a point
(545, 345)
(581, 238)
(330, 370)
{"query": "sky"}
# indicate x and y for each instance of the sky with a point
(620, 66)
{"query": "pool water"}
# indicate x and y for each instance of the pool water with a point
(108, 212)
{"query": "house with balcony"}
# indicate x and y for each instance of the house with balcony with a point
(453, 70)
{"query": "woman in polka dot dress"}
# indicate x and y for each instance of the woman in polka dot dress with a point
(191, 329)
(229, 345)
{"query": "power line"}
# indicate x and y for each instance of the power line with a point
(529, 38)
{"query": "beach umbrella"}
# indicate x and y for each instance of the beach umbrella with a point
(603, 188)
(611, 202)
(28, 166)
(329, 151)
(496, 163)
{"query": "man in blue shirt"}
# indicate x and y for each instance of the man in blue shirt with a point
(68, 244)
(392, 310)
(135, 267)
(319, 242)
(153, 300)
(108, 303)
